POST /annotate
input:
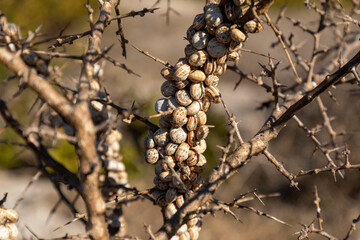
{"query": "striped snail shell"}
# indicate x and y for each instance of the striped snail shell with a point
(9, 214)
(236, 34)
(13, 230)
(235, 46)
(190, 33)
(179, 200)
(220, 69)
(168, 88)
(181, 84)
(215, 48)
(159, 196)
(252, 26)
(210, 66)
(189, 50)
(213, 15)
(221, 60)
(182, 153)
(191, 138)
(232, 12)
(178, 135)
(234, 56)
(222, 33)
(193, 108)
(200, 165)
(181, 72)
(151, 156)
(182, 230)
(170, 148)
(166, 73)
(213, 93)
(183, 97)
(192, 123)
(192, 159)
(212, 80)
(179, 117)
(200, 147)
(168, 163)
(198, 58)
(197, 76)
(201, 118)
(196, 91)
(199, 21)
(200, 39)
(205, 103)
(210, 30)
(170, 195)
(202, 132)
(161, 137)
(165, 176)
(239, 2)
(164, 122)
(170, 211)
(161, 185)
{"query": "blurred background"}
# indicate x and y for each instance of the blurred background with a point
(340, 199)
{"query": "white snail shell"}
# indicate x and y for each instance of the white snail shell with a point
(179, 201)
(183, 229)
(114, 165)
(215, 48)
(179, 117)
(200, 39)
(161, 137)
(165, 176)
(193, 108)
(194, 232)
(183, 97)
(170, 211)
(182, 153)
(237, 35)
(4, 233)
(201, 118)
(13, 231)
(200, 147)
(196, 91)
(212, 80)
(252, 26)
(151, 156)
(178, 135)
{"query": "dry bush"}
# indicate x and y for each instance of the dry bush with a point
(304, 93)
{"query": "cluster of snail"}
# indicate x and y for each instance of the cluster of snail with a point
(176, 148)
(8, 229)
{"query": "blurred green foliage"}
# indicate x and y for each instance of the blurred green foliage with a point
(64, 153)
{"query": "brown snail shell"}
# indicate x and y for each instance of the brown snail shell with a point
(161, 137)
(168, 88)
(235, 46)
(221, 60)
(198, 58)
(197, 76)
(181, 84)
(213, 93)
(181, 72)
(168, 163)
(200, 39)
(192, 123)
(151, 156)
(222, 34)
(178, 135)
(196, 91)
(252, 26)
(215, 48)
(233, 56)
(210, 30)
(182, 153)
(237, 35)
(183, 97)
(205, 103)
(200, 147)
(199, 21)
(159, 196)
(202, 132)
(193, 108)
(192, 159)
(201, 118)
(191, 138)
(170, 148)
(158, 167)
(179, 117)
(210, 66)
(220, 69)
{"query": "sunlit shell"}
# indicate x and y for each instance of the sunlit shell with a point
(184, 236)
(192, 123)
(182, 153)
(189, 50)
(196, 91)
(166, 73)
(200, 147)
(178, 135)
(233, 56)
(215, 48)
(151, 156)
(193, 108)
(210, 66)
(199, 21)
(13, 230)
(198, 58)
(197, 76)
(213, 15)
(200, 165)
(183, 97)
(181, 72)
(182, 230)
(190, 33)
(237, 35)
(212, 80)
(175, 237)
(181, 61)
(232, 12)
(168, 88)
(252, 26)
(170, 211)
(239, 2)
(193, 231)
(222, 34)
(111, 165)
(170, 195)
(11, 215)
(181, 84)
(192, 159)
(221, 60)
(213, 93)
(220, 69)
(161, 137)
(170, 148)
(205, 103)
(202, 132)
(168, 163)
(179, 117)
(235, 46)
(4, 233)
(201, 118)
(165, 176)
(200, 39)
(191, 138)
(164, 122)
(179, 201)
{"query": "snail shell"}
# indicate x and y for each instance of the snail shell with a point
(149, 142)
(161, 137)
(197, 76)
(170, 148)
(200, 147)
(210, 30)
(213, 15)
(170, 211)
(181, 84)
(198, 58)
(159, 196)
(175, 237)
(161, 151)
(199, 21)
(221, 60)
(191, 138)
(13, 231)
(4, 232)
(213, 93)
(165, 176)
(168, 163)
(182, 153)
(232, 12)
(151, 156)
(212, 80)
(189, 50)
(179, 201)
(181, 72)
(168, 88)
(173, 104)
(235, 46)
(166, 73)
(193, 108)
(200, 39)
(205, 103)
(170, 195)
(29, 57)
(222, 34)
(184, 236)
(158, 167)
(198, 183)
(183, 97)
(162, 105)
(182, 230)
(220, 69)
(239, 2)
(201, 118)
(179, 117)
(202, 132)
(193, 231)
(10, 214)
(192, 159)
(178, 135)
(236, 34)
(210, 66)
(216, 49)
(192, 123)
(252, 26)
(190, 33)
(164, 122)
(234, 56)
(196, 91)
(114, 165)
